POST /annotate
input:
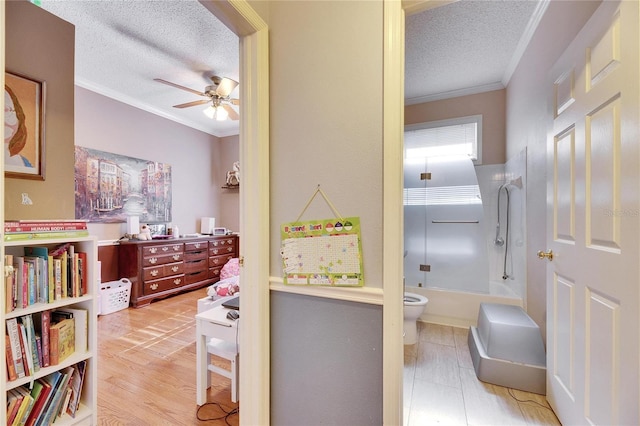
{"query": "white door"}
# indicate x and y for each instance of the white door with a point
(593, 193)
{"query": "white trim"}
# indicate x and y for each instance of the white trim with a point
(369, 295)
(455, 93)
(254, 384)
(392, 213)
(527, 35)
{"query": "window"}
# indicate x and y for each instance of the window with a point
(457, 136)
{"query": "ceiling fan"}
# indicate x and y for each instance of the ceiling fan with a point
(217, 94)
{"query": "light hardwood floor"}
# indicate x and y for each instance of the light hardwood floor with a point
(441, 387)
(146, 375)
(146, 372)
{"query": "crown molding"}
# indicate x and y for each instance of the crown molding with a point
(455, 93)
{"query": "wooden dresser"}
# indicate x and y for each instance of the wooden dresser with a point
(161, 268)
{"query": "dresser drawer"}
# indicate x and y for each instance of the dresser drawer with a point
(219, 261)
(196, 255)
(194, 277)
(161, 271)
(195, 266)
(162, 259)
(161, 249)
(217, 251)
(214, 273)
(163, 284)
(222, 242)
(196, 245)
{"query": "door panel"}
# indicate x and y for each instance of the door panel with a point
(593, 162)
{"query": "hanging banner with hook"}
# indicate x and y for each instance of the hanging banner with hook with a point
(324, 252)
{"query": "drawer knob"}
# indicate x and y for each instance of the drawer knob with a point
(165, 249)
(154, 286)
(216, 272)
(154, 273)
(215, 243)
(153, 250)
(229, 249)
(197, 245)
(176, 248)
(230, 241)
(215, 251)
(216, 261)
(153, 260)
(177, 281)
(174, 268)
(176, 257)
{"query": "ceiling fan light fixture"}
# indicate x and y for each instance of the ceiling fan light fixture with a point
(221, 113)
(217, 113)
(210, 111)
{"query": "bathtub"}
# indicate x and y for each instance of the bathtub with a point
(460, 309)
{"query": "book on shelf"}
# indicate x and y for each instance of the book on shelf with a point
(40, 403)
(14, 399)
(25, 236)
(16, 352)
(11, 367)
(56, 402)
(53, 380)
(27, 321)
(32, 287)
(76, 383)
(19, 226)
(61, 340)
(25, 406)
(42, 324)
(25, 348)
(22, 275)
(81, 324)
(46, 269)
(9, 282)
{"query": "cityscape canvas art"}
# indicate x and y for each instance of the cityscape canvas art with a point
(111, 187)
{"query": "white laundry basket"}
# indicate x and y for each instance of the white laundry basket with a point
(114, 296)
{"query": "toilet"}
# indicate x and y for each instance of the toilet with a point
(414, 306)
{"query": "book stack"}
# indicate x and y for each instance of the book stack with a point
(16, 230)
(44, 275)
(50, 397)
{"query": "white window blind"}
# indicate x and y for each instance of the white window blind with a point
(451, 137)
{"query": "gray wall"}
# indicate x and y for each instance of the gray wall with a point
(324, 373)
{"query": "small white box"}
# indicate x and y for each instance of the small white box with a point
(207, 225)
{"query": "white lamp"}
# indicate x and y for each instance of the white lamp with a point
(133, 225)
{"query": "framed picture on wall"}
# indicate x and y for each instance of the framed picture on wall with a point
(24, 103)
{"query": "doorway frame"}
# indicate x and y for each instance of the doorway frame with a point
(244, 21)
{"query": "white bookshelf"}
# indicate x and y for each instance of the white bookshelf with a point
(87, 413)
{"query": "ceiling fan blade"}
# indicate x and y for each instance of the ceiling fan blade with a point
(234, 101)
(232, 112)
(177, 86)
(194, 103)
(225, 87)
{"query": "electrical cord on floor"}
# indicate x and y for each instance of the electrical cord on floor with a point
(226, 415)
(527, 400)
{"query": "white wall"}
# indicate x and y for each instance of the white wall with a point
(197, 166)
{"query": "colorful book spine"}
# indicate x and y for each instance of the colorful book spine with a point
(45, 235)
(16, 352)
(43, 226)
(11, 366)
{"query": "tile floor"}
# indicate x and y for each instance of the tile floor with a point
(441, 387)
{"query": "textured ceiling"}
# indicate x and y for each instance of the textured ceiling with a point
(121, 46)
(464, 47)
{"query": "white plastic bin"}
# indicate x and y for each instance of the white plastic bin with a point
(114, 296)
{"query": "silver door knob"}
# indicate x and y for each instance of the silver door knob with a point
(548, 254)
